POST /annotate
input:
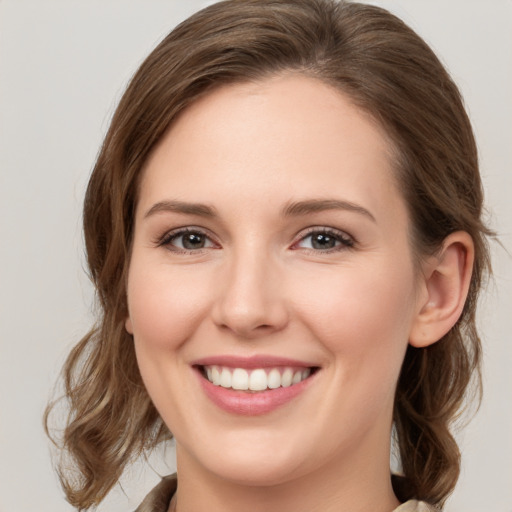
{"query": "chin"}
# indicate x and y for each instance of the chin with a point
(252, 460)
(257, 473)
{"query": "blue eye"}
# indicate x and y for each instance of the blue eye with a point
(187, 240)
(325, 240)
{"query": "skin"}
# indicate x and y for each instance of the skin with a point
(259, 286)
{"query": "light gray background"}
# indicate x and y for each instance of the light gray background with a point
(63, 66)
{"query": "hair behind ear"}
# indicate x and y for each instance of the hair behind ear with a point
(439, 364)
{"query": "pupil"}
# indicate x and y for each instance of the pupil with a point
(322, 241)
(193, 241)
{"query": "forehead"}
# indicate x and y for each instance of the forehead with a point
(283, 136)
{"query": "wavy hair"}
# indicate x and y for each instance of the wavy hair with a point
(388, 71)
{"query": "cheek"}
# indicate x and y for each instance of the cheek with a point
(165, 305)
(361, 315)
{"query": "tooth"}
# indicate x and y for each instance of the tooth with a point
(286, 378)
(240, 379)
(258, 380)
(297, 377)
(274, 379)
(225, 378)
(215, 376)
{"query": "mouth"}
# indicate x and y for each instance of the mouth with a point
(256, 385)
(255, 380)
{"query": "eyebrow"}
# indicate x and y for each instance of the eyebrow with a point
(294, 209)
(298, 208)
(202, 210)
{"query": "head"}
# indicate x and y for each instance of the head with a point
(385, 71)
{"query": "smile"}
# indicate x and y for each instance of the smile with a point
(255, 385)
(256, 380)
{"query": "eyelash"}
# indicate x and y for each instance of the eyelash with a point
(345, 240)
(167, 239)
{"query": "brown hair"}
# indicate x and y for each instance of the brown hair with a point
(387, 70)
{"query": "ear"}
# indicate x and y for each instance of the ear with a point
(445, 282)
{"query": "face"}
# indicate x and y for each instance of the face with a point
(271, 288)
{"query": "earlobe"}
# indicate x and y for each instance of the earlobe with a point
(128, 325)
(446, 282)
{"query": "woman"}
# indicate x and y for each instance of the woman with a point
(283, 227)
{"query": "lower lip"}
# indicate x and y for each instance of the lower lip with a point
(251, 404)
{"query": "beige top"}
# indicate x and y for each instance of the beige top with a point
(159, 498)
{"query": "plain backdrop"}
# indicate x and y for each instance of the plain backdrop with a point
(63, 67)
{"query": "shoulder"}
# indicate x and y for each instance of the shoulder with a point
(159, 497)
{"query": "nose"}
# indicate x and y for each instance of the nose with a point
(251, 301)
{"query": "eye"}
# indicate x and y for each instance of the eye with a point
(186, 240)
(325, 239)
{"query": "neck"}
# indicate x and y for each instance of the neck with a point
(336, 487)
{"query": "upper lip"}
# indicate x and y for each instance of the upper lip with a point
(251, 362)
